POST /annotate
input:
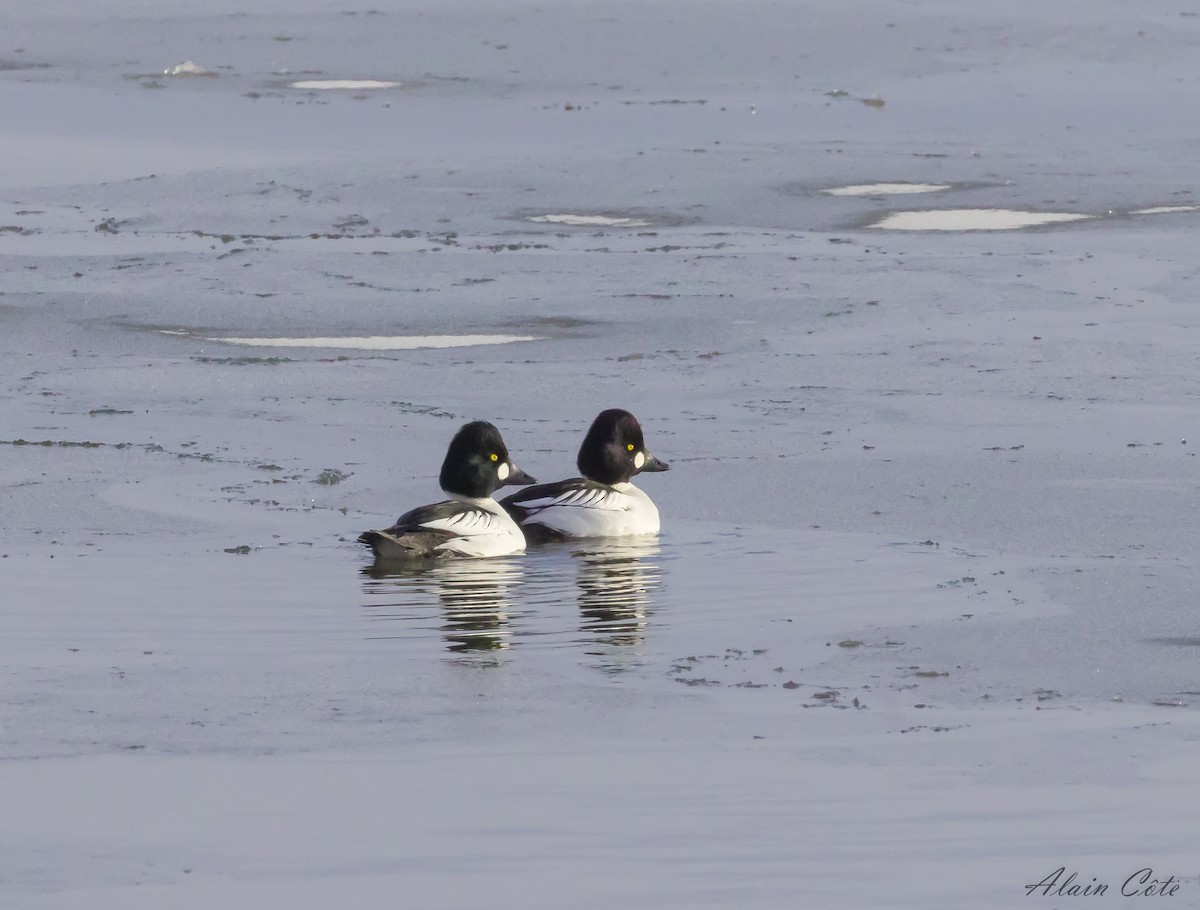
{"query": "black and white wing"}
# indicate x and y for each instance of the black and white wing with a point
(570, 508)
(577, 493)
(446, 528)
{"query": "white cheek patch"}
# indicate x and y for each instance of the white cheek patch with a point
(502, 471)
(639, 459)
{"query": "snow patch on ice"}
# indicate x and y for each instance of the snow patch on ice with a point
(188, 68)
(1166, 209)
(886, 189)
(343, 84)
(380, 342)
(578, 220)
(972, 220)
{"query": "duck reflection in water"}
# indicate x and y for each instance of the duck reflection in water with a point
(616, 583)
(473, 593)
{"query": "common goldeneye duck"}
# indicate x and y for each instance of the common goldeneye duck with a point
(601, 503)
(471, 522)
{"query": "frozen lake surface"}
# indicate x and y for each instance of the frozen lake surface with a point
(905, 296)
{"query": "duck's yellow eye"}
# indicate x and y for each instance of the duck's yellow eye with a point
(495, 457)
(630, 447)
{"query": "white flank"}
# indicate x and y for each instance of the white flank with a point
(343, 84)
(886, 189)
(380, 342)
(972, 220)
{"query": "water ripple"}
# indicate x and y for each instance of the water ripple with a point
(598, 595)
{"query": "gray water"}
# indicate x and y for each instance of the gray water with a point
(922, 615)
(305, 647)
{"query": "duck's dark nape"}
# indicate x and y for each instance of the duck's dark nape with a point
(477, 463)
(468, 468)
(610, 450)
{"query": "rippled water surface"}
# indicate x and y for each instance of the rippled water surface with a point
(235, 651)
(596, 597)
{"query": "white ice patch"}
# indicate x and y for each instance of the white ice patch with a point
(502, 473)
(380, 342)
(972, 220)
(188, 68)
(343, 84)
(1166, 209)
(886, 189)
(575, 220)
(639, 459)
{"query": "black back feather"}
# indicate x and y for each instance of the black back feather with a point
(517, 504)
